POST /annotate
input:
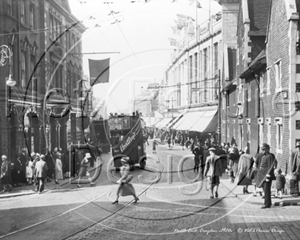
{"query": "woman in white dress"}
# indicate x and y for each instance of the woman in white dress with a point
(58, 168)
(125, 188)
(29, 171)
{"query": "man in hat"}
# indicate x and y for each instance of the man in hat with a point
(266, 165)
(296, 164)
(197, 153)
(41, 169)
(83, 171)
(213, 171)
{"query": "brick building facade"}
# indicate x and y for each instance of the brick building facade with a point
(43, 37)
(260, 105)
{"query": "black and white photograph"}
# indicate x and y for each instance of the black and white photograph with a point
(149, 119)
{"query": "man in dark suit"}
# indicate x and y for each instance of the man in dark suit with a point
(23, 160)
(296, 164)
(41, 169)
(266, 174)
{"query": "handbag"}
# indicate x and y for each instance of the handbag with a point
(253, 173)
(128, 179)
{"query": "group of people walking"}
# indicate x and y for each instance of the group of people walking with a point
(246, 170)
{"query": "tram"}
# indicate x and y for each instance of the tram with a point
(127, 139)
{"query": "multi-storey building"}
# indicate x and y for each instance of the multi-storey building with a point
(44, 40)
(193, 78)
(263, 106)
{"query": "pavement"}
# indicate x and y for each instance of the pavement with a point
(228, 188)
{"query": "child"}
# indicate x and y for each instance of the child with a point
(280, 182)
(154, 146)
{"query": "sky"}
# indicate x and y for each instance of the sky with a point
(138, 33)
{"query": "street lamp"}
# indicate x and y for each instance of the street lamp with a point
(6, 53)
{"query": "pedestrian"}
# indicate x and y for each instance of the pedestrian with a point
(58, 168)
(5, 175)
(169, 142)
(83, 171)
(29, 172)
(197, 154)
(233, 161)
(16, 172)
(41, 169)
(213, 172)
(35, 181)
(125, 188)
(280, 183)
(265, 173)
(244, 170)
(23, 158)
(154, 146)
(295, 168)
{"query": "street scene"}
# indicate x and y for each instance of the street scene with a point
(149, 119)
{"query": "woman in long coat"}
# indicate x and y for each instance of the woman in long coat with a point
(5, 175)
(58, 167)
(245, 165)
(234, 157)
(125, 188)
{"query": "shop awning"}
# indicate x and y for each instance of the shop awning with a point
(175, 120)
(163, 123)
(207, 123)
(188, 120)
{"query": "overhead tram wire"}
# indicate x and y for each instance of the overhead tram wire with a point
(102, 87)
(127, 42)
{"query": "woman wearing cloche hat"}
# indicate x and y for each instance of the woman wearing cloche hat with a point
(83, 170)
(125, 188)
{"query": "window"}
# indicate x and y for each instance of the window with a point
(240, 95)
(205, 63)
(269, 130)
(216, 56)
(23, 70)
(191, 67)
(233, 129)
(68, 40)
(279, 134)
(261, 87)
(9, 7)
(260, 122)
(248, 131)
(268, 81)
(31, 16)
(22, 12)
(278, 74)
(51, 26)
(249, 92)
(196, 65)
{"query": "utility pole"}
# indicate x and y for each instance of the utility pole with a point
(219, 108)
